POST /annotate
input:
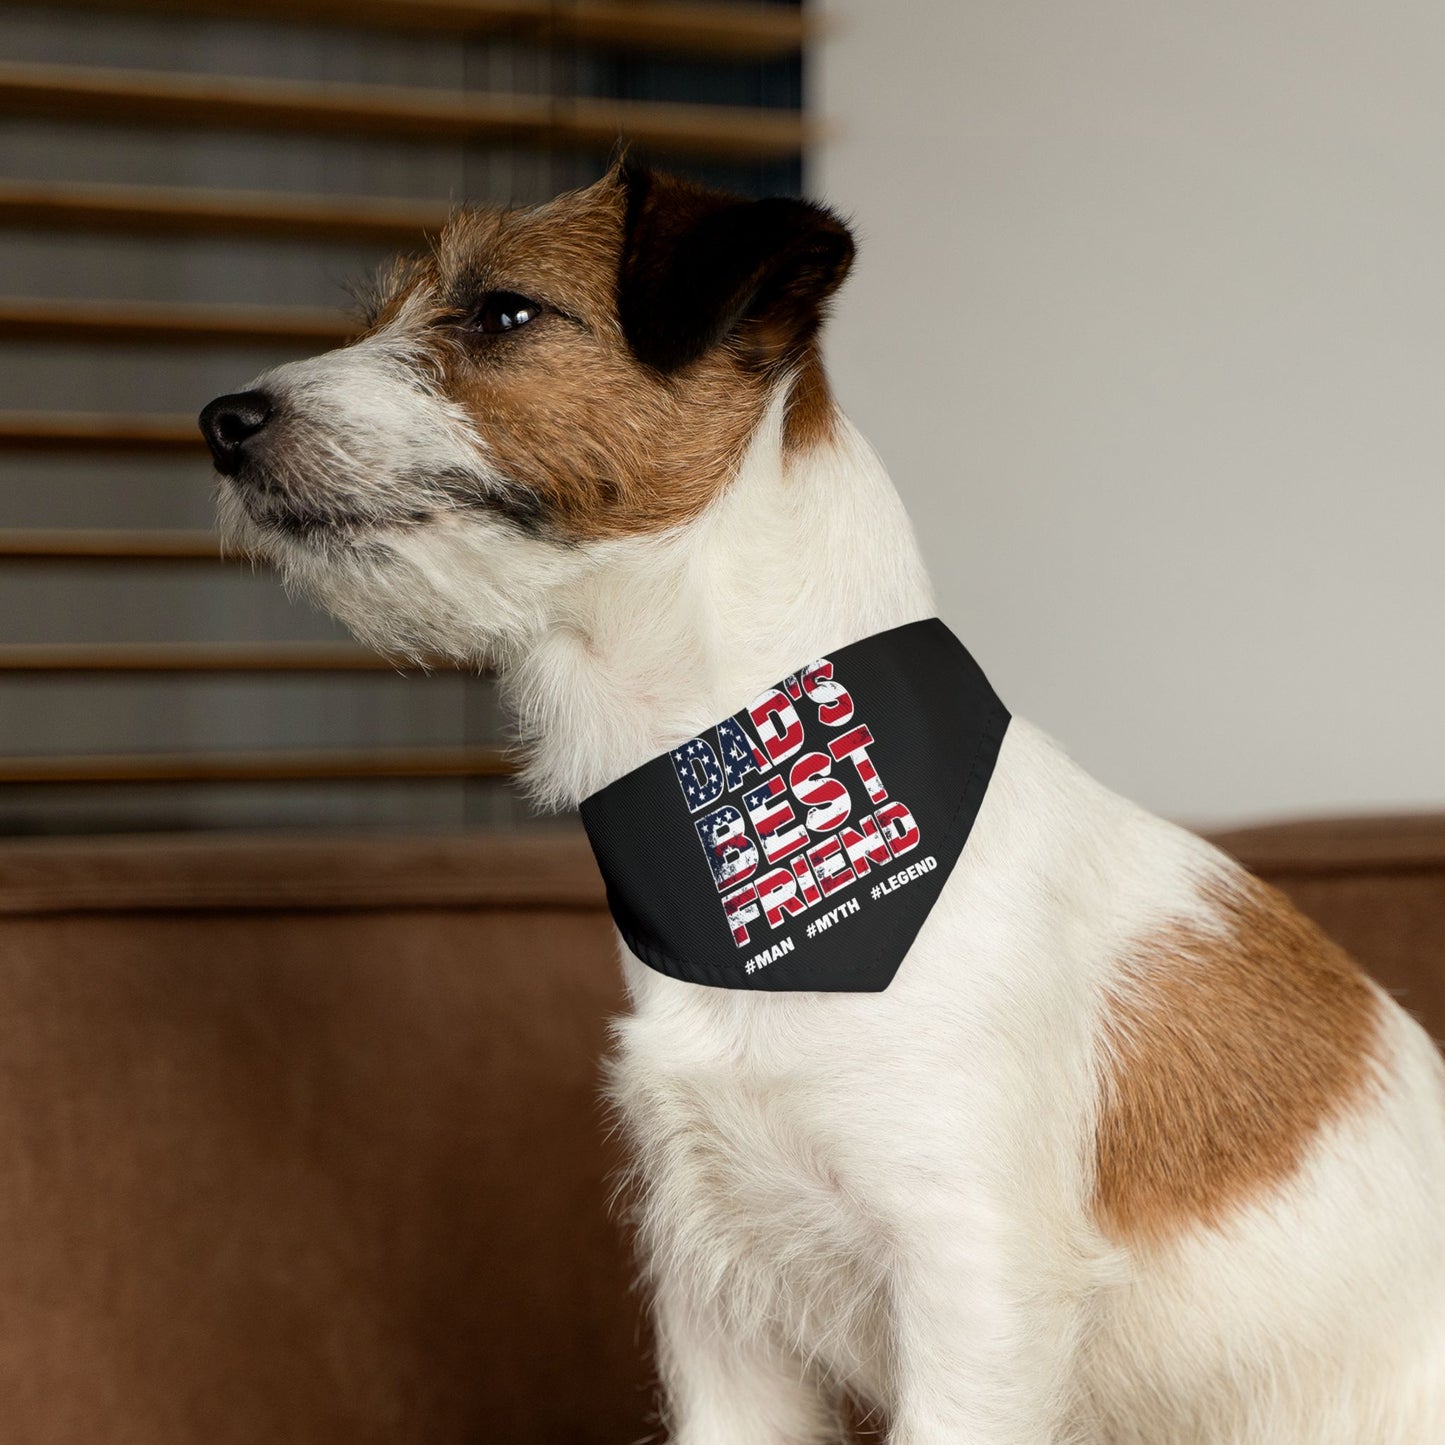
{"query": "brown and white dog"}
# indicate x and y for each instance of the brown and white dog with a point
(1127, 1152)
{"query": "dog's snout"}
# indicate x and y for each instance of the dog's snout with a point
(229, 422)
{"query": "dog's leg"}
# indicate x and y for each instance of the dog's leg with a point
(721, 1388)
(985, 1341)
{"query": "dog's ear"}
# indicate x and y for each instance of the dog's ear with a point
(700, 266)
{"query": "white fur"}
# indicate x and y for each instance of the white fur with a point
(889, 1193)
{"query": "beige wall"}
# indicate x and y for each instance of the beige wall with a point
(1149, 324)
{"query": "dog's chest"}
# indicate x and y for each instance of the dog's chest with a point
(746, 1185)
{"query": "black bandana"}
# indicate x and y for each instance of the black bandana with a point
(800, 843)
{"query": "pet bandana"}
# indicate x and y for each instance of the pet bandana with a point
(800, 844)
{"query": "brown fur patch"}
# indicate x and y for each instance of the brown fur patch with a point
(1227, 1053)
(601, 444)
(812, 415)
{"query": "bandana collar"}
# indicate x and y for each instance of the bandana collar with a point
(799, 844)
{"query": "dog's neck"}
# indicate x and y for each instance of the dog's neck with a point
(805, 551)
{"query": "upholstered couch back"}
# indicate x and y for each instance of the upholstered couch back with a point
(300, 1139)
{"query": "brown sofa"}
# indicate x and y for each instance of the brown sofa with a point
(302, 1140)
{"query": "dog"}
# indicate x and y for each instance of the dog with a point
(1128, 1153)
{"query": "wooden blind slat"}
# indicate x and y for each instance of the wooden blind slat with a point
(186, 657)
(708, 28)
(171, 323)
(83, 544)
(328, 765)
(173, 211)
(84, 320)
(760, 33)
(77, 431)
(220, 102)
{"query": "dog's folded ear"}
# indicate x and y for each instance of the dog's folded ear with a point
(701, 266)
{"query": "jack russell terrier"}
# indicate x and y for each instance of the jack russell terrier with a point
(1125, 1152)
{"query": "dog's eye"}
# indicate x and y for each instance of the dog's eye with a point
(504, 311)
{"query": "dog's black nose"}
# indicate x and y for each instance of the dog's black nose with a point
(229, 422)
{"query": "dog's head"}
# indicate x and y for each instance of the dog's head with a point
(545, 382)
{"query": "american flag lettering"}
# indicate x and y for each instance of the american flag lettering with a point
(793, 809)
